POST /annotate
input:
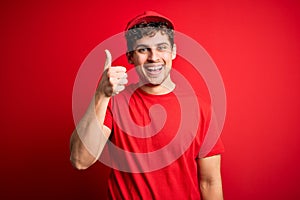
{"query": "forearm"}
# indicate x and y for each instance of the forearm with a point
(211, 190)
(90, 135)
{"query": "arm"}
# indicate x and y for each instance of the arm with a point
(209, 177)
(90, 135)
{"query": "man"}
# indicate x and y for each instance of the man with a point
(117, 113)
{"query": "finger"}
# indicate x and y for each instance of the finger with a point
(118, 79)
(122, 81)
(108, 59)
(118, 89)
(115, 81)
(118, 69)
(115, 73)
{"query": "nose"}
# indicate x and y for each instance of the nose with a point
(153, 55)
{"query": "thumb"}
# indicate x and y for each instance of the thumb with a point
(108, 59)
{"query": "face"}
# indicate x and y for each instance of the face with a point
(152, 58)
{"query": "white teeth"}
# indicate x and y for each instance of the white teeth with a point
(154, 68)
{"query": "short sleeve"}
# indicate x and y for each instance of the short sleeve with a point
(217, 149)
(211, 143)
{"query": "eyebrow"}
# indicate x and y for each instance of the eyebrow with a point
(147, 46)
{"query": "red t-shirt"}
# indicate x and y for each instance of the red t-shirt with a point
(153, 153)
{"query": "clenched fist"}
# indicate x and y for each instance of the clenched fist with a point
(113, 79)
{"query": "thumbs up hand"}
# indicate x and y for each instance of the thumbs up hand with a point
(113, 79)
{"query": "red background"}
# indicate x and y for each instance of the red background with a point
(255, 45)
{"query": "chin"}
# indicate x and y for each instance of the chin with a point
(153, 84)
(149, 81)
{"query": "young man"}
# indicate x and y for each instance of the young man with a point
(116, 111)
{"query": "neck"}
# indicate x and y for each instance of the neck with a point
(164, 88)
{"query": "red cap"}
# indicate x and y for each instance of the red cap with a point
(147, 17)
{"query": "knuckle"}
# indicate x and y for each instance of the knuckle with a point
(112, 81)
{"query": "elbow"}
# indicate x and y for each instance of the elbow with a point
(204, 186)
(80, 157)
(78, 164)
(210, 185)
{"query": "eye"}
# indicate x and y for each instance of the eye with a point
(142, 50)
(162, 47)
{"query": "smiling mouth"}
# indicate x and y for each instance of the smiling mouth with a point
(154, 70)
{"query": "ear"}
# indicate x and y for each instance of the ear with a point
(129, 57)
(174, 51)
